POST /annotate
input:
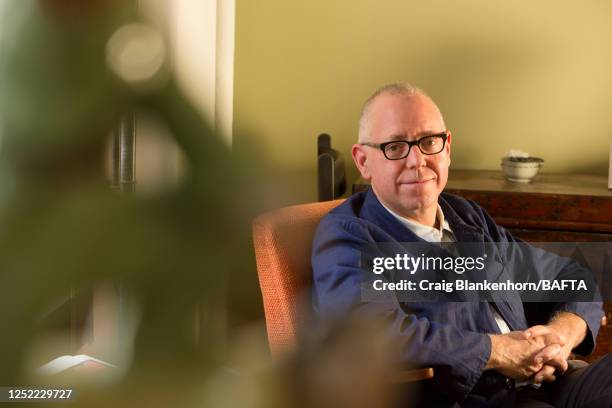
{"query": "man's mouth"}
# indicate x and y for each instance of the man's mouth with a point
(415, 182)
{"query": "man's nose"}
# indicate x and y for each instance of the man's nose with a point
(415, 158)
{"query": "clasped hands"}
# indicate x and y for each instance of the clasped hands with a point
(536, 354)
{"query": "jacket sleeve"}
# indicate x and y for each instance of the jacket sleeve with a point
(458, 356)
(536, 264)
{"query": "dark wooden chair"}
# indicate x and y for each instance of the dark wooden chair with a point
(330, 168)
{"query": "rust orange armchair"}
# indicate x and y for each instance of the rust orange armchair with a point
(283, 244)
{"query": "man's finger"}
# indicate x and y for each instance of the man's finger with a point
(553, 338)
(556, 338)
(539, 330)
(559, 363)
(550, 336)
(547, 353)
(547, 373)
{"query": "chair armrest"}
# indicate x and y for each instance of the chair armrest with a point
(419, 374)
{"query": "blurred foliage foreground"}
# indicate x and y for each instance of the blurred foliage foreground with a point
(69, 71)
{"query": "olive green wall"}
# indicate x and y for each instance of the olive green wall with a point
(530, 75)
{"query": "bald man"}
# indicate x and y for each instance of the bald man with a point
(483, 353)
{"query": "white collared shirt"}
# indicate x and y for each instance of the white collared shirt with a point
(430, 234)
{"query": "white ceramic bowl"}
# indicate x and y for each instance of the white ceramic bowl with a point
(521, 170)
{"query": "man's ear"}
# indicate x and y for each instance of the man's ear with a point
(360, 159)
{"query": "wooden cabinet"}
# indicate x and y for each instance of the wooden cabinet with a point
(553, 208)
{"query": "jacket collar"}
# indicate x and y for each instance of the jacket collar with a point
(372, 210)
(463, 231)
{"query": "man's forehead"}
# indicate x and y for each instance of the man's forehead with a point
(400, 116)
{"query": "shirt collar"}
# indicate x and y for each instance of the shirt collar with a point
(425, 232)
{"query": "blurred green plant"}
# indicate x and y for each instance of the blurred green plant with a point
(69, 70)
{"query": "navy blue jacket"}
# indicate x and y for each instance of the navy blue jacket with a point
(449, 336)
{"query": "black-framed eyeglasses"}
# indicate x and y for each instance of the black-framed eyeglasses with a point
(399, 149)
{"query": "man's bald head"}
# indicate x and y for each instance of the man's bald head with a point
(400, 89)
